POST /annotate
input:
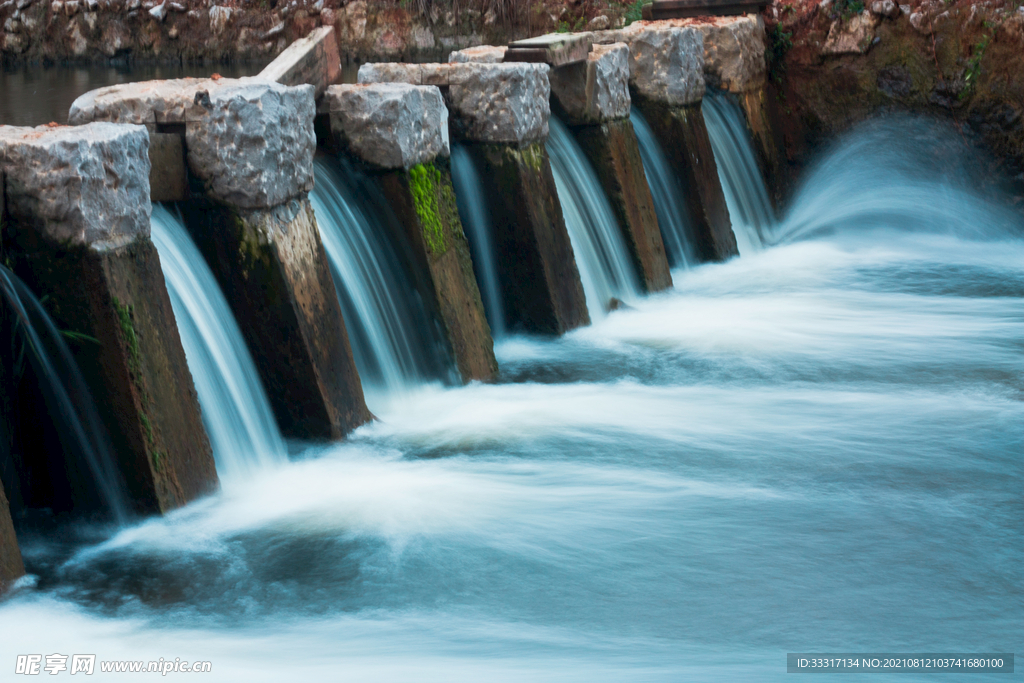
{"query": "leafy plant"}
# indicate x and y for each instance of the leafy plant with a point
(635, 11)
(779, 43)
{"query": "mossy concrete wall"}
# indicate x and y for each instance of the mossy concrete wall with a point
(11, 565)
(684, 138)
(614, 153)
(115, 293)
(273, 270)
(424, 201)
(541, 288)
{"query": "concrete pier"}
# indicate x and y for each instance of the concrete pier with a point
(11, 565)
(500, 112)
(77, 230)
(400, 133)
(249, 147)
(592, 97)
(666, 79)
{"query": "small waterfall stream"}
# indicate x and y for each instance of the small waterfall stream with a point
(745, 193)
(667, 194)
(394, 346)
(236, 412)
(479, 233)
(68, 400)
(601, 256)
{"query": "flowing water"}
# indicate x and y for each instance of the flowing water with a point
(815, 447)
(750, 210)
(35, 341)
(394, 344)
(602, 259)
(479, 233)
(236, 411)
(667, 193)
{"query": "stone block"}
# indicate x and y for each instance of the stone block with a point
(389, 125)
(554, 49)
(505, 103)
(485, 54)
(667, 65)
(78, 185)
(614, 153)
(595, 90)
(274, 273)
(252, 142)
(734, 52)
(424, 202)
(541, 288)
(146, 102)
(168, 178)
(312, 60)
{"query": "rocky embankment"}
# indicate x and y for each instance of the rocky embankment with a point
(236, 30)
(835, 62)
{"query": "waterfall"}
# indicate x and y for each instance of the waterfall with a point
(745, 193)
(667, 194)
(68, 399)
(392, 339)
(601, 256)
(475, 219)
(236, 412)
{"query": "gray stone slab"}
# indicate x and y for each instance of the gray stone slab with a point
(554, 49)
(596, 90)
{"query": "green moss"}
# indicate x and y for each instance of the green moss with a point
(424, 180)
(533, 157)
(124, 315)
(146, 425)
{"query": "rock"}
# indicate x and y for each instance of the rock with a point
(22, 4)
(422, 38)
(14, 42)
(92, 5)
(12, 25)
(77, 42)
(71, 7)
(90, 19)
(598, 23)
(488, 102)
(173, 33)
(146, 102)
(355, 13)
(490, 18)
(554, 49)
(253, 146)
(852, 37)
(115, 38)
(734, 52)
(56, 7)
(666, 64)
(389, 125)
(328, 17)
(484, 54)
(176, 7)
(219, 17)
(313, 60)
(920, 23)
(78, 185)
(596, 90)
(885, 8)
(317, 7)
(159, 12)
(274, 31)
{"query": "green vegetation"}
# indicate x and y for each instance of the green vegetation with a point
(845, 9)
(124, 314)
(635, 11)
(423, 183)
(779, 43)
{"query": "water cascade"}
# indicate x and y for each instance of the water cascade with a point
(236, 412)
(667, 194)
(477, 224)
(601, 256)
(392, 339)
(750, 210)
(69, 403)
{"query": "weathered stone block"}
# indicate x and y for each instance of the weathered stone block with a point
(850, 37)
(684, 138)
(147, 102)
(487, 102)
(554, 49)
(541, 285)
(734, 52)
(11, 565)
(667, 65)
(168, 178)
(78, 185)
(312, 60)
(424, 202)
(273, 270)
(595, 90)
(485, 54)
(614, 153)
(389, 125)
(79, 235)
(252, 143)
(507, 103)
